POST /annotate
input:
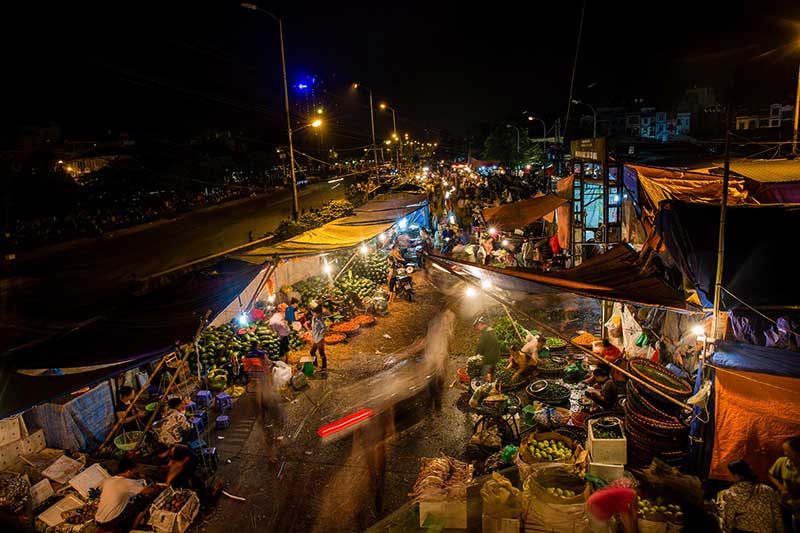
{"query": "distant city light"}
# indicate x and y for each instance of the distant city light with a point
(302, 86)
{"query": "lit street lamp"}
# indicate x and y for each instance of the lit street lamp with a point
(394, 131)
(295, 203)
(594, 113)
(372, 123)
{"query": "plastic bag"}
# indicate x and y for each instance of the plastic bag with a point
(281, 374)
(500, 498)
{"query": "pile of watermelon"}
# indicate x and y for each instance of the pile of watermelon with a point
(216, 344)
(373, 266)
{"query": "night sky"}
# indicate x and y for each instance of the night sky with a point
(166, 67)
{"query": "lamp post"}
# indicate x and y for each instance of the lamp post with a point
(394, 132)
(544, 134)
(594, 113)
(372, 123)
(295, 203)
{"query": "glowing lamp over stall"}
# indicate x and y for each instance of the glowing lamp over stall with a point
(382, 237)
(364, 249)
(470, 292)
(492, 231)
(403, 224)
(486, 284)
(327, 268)
(505, 242)
(243, 319)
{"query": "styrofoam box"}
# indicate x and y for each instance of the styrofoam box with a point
(500, 525)
(168, 521)
(607, 451)
(453, 513)
(606, 471)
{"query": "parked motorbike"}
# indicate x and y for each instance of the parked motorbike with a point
(405, 287)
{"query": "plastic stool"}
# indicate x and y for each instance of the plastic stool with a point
(191, 407)
(204, 398)
(197, 446)
(210, 457)
(223, 402)
(202, 414)
(223, 422)
(197, 426)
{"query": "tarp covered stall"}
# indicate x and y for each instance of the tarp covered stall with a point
(80, 423)
(757, 268)
(142, 329)
(755, 405)
(614, 275)
(651, 186)
(771, 181)
(522, 213)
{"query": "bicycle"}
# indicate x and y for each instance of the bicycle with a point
(503, 418)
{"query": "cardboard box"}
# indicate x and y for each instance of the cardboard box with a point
(606, 471)
(89, 479)
(169, 521)
(607, 451)
(11, 452)
(52, 516)
(453, 514)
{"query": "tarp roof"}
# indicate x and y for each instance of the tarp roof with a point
(368, 221)
(522, 213)
(750, 358)
(765, 170)
(144, 328)
(758, 269)
(614, 275)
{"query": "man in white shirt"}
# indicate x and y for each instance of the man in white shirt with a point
(123, 500)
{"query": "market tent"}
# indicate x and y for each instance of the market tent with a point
(142, 329)
(367, 222)
(772, 181)
(614, 275)
(755, 405)
(757, 268)
(522, 213)
(650, 186)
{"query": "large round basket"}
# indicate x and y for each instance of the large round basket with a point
(348, 328)
(128, 441)
(660, 377)
(364, 320)
(335, 338)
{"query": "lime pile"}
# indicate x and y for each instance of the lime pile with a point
(550, 450)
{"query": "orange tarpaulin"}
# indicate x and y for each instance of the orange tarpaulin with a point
(563, 214)
(522, 213)
(754, 414)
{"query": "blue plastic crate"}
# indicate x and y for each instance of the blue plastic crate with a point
(204, 398)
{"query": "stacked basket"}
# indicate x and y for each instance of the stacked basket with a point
(652, 423)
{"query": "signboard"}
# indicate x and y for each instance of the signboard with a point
(589, 149)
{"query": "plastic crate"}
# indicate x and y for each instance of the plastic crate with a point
(170, 521)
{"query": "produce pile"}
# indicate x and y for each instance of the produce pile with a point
(217, 344)
(474, 365)
(14, 491)
(80, 515)
(554, 393)
(507, 334)
(561, 493)
(549, 450)
(349, 282)
(312, 290)
(307, 221)
(548, 366)
(658, 511)
(584, 339)
(505, 376)
(334, 338)
(364, 320)
(345, 327)
(613, 432)
(175, 502)
(373, 266)
(442, 479)
(554, 343)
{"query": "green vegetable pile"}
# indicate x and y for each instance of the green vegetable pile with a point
(474, 365)
(554, 342)
(217, 344)
(658, 511)
(373, 266)
(505, 375)
(561, 493)
(507, 335)
(312, 289)
(611, 433)
(349, 282)
(550, 450)
(307, 221)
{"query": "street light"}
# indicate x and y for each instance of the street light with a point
(357, 86)
(544, 136)
(295, 203)
(394, 130)
(594, 113)
(316, 124)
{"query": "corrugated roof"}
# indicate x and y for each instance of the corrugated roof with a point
(522, 213)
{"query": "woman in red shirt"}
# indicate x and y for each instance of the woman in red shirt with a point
(610, 354)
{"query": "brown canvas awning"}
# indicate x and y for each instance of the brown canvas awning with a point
(522, 213)
(615, 276)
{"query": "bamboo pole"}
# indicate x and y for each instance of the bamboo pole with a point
(578, 346)
(135, 399)
(513, 323)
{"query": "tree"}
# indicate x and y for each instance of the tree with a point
(501, 145)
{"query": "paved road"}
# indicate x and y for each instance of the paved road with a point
(74, 282)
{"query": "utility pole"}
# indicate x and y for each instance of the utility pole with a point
(716, 332)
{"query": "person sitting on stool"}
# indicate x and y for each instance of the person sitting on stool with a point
(606, 398)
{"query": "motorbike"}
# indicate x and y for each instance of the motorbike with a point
(405, 287)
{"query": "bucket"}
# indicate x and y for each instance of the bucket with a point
(308, 369)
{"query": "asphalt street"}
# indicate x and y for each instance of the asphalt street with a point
(59, 287)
